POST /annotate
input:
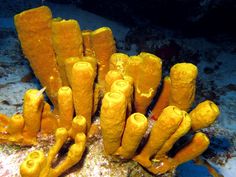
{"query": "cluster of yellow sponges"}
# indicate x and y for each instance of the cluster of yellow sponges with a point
(78, 68)
(37, 164)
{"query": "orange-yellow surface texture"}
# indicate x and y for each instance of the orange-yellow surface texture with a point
(146, 70)
(204, 114)
(163, 100)
(87, 43)
(82, 87)
(164, 127)
(103, 45)
(112, 116)
(34, 31)
(67, 42)
(183, 85)
(135, 129)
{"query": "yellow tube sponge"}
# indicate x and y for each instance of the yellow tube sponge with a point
(73, 156)
(134, 67)
(129, 79)
(33, 164)
(49, 122)
(183, 128)
(82, 87)
(146, 72)
(67, 42)
(69, 63)
(4, 122)
(131, 82)
(15, 128)
(112, 119)
(183, 85)
(204, 115)
(61, 136)
(164, 127)
(110, 78)
(132, 74)
(92, 61)
(34, 31)
(103, 45)
(87, 43)
(29, 168)
(118, 61)
(135, 129)
(196, 147)
(78, 126)
(163, 100)
(149, 78)
(32, 111)
(66, 108)
(37, 165)
(97, 94)
(124, 87)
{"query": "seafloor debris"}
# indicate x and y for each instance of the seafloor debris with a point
(68, 71)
